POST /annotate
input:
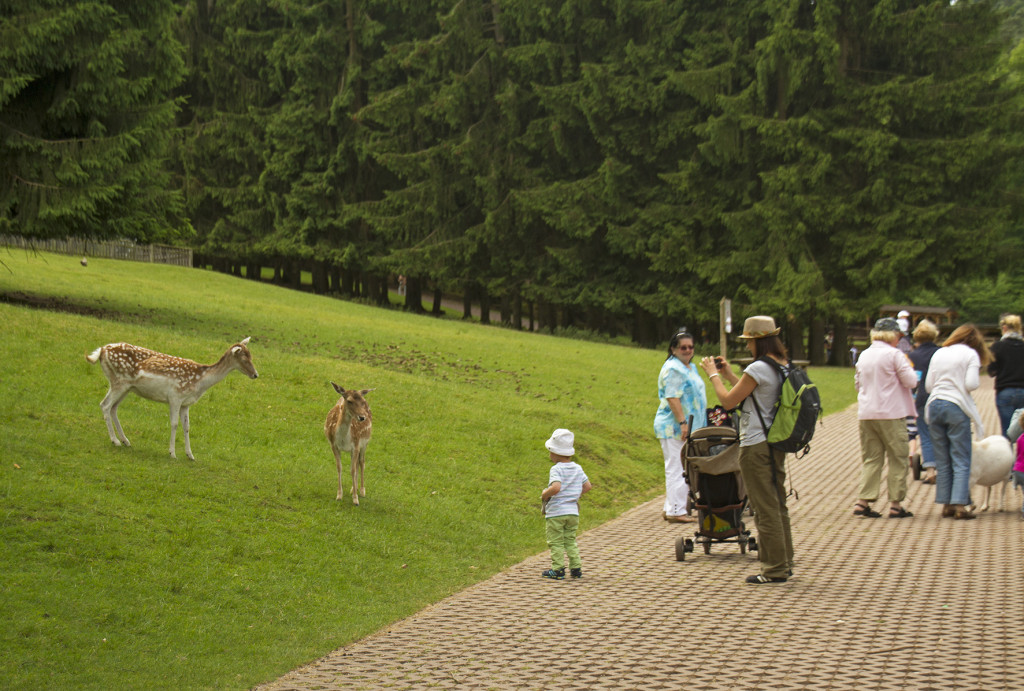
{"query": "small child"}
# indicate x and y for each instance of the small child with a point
(1018, 470)
(566, 484)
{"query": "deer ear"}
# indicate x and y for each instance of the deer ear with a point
(338, 388)
(245, 341)
(366, 391)
(235, 350)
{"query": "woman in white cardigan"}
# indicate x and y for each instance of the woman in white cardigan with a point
(955, 372)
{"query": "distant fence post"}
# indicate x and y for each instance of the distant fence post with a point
(724, 326)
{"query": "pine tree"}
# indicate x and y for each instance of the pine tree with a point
(442, 133)
(85, 119)
(222, 135)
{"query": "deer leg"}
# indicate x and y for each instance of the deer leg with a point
(184, 431)
(355, 467)
(109, 408)
(175, 412)
(362, 471)
(337, 464)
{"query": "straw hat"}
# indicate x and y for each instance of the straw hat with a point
(561, 442)
(759, 327)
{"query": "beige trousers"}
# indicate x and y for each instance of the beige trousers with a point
(878, 439)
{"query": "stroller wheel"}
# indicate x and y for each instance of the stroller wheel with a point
(752, 544)
(743, 546)
(680, 549)
(915, 465)
(707, 546)
(688, 544)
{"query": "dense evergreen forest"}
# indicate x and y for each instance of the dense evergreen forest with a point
(610, 165)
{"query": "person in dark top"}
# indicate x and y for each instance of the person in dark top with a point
(1007, 367)
(921, 356)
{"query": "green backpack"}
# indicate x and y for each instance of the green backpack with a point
(797, 411)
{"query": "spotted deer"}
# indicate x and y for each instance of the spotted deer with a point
(348, 428)
(172, 380)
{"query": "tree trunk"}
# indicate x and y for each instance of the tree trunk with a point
(438, 309)
(376, 288)
(506, 310)
(293, 278)
(517, 312)
(485, 306)
(348, 282)
(414, 294)
(467, 302)
(320, 282)
(817, 341)
(795, 336)
(840, 344)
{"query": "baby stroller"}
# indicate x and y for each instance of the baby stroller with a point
(711, 464)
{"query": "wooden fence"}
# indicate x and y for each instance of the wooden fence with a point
(109, 249)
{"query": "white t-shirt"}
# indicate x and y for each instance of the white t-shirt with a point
(572, 477)
(952, 374)
(769, 385)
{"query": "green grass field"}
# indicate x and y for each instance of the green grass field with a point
(124, 568)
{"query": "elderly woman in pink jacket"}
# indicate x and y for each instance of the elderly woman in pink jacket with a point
(884, 380)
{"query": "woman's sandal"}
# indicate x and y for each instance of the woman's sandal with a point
(899, 513)
(865, 511)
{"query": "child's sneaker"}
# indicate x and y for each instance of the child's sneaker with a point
(576, 573)
(551, 573)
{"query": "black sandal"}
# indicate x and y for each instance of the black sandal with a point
(757, 579)
(899, 513)
(865, 511)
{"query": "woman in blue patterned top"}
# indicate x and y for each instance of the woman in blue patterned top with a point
(682, 393)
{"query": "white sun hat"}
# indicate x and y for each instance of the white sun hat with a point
(561, 442)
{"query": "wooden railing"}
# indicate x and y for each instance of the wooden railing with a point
(109, 249)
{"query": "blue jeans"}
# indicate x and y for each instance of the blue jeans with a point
(950, 428)
(1007, 401)
(925, 435)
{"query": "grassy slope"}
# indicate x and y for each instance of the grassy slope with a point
(124, 568)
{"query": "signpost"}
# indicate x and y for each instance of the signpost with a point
(724, 324)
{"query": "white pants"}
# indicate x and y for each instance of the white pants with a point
(676, 490)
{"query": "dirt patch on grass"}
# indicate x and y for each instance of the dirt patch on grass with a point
(57, 304)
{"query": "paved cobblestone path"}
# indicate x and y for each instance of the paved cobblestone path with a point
(912, 604)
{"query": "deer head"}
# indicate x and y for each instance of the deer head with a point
(354, 401)
(243, 358)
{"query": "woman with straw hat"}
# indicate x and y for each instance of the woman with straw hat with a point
(763, 467)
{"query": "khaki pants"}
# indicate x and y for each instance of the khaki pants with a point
(878, 439)
(764, 473)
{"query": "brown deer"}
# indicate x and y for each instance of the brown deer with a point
(172, 380)
(348, 428)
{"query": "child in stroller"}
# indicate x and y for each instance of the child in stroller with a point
(711, 464)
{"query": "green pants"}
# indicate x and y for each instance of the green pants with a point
(561, 535)
(879, 439)
(764, 473)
